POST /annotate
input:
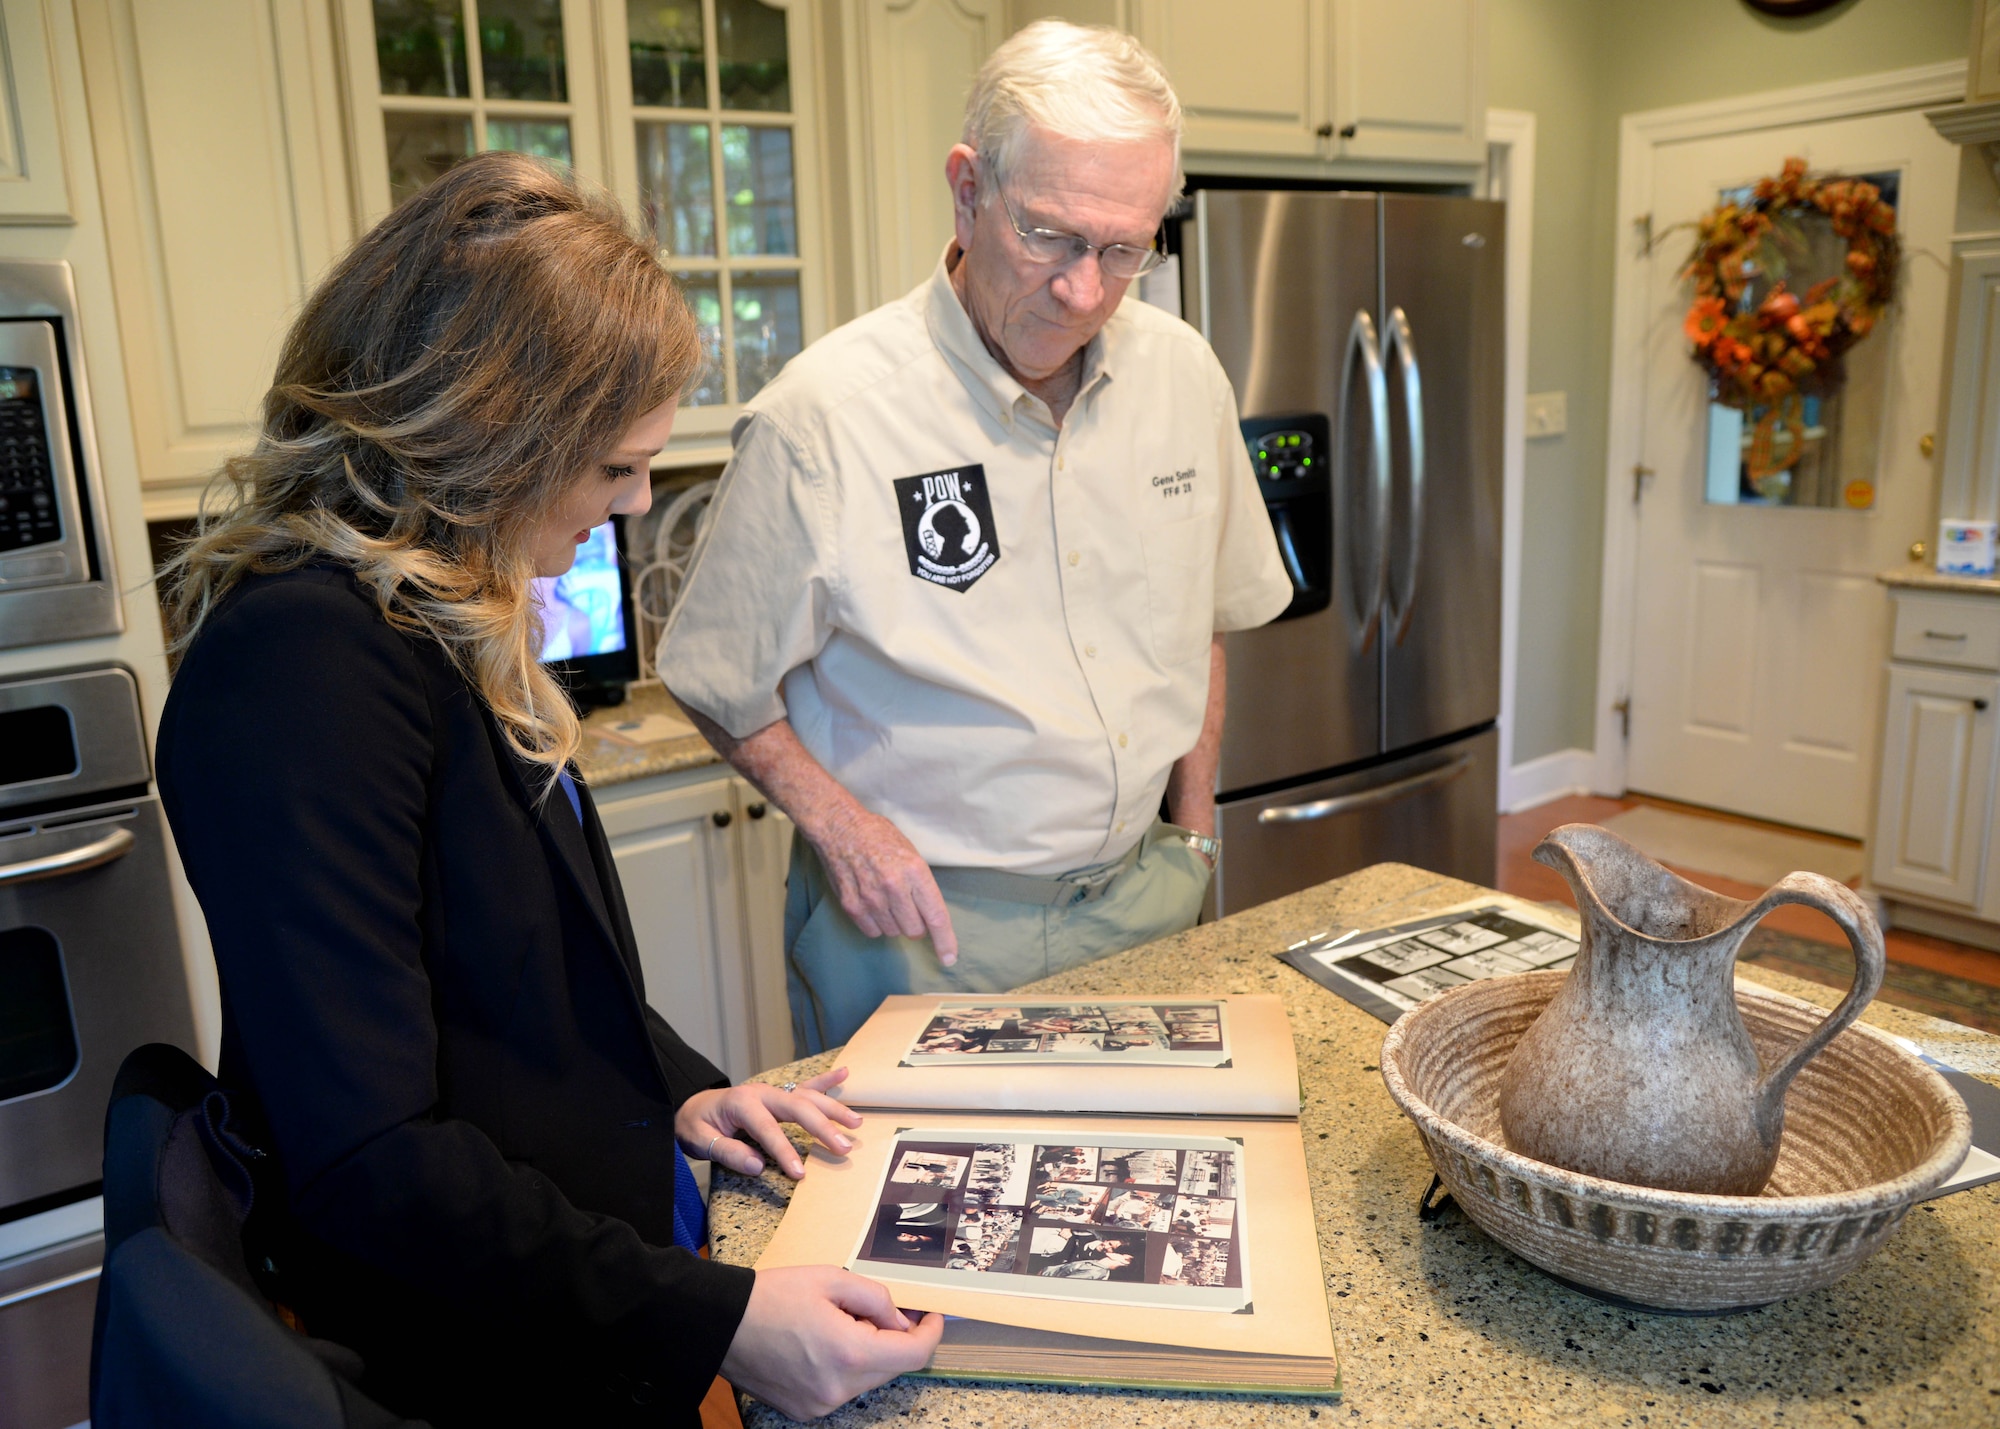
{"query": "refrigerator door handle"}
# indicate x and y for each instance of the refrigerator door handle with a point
(1366, 799)
(1399, 345)
(1363, 348)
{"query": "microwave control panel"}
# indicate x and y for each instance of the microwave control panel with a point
(28, 514)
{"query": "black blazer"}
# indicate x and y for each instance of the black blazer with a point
(432, 1007)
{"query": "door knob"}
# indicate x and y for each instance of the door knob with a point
(1918, 550)
(1927, 443)
(720, 818)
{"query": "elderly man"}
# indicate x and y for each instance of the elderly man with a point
(957, 607)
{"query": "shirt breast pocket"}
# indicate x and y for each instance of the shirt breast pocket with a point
(1180, 577)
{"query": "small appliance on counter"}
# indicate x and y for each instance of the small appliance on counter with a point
(1363, 335)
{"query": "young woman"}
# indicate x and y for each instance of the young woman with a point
(432, 1008)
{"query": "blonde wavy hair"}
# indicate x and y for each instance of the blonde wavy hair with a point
(462, 366)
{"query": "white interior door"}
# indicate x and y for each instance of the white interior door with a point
(1759, 630)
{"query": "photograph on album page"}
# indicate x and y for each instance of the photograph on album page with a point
(1111, 1220)
(1123, 1032)
(1389, 971)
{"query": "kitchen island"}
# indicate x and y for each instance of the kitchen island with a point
(1436, 1324)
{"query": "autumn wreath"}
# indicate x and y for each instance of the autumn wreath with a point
(1763, 344)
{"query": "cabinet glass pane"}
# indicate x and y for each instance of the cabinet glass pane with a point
(704, 299)
(420, 47)
(757, 178)
(544, 138)
(766, 324)
(521, 49)
(422, 146)
(752, 63)
(676, 188)
(668, 57)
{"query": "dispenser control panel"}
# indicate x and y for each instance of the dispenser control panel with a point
(1284, 456)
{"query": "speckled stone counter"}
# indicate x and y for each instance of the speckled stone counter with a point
(1436, 1324)
(607, 761)
(1925, 578)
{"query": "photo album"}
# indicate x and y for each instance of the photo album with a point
(1103, 1191)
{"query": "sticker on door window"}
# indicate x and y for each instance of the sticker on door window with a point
(948, 528)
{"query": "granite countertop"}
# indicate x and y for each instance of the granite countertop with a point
(1916, 577)
(1436, 1324)
(607, 761)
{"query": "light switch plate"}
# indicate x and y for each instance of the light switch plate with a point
(1548, 414)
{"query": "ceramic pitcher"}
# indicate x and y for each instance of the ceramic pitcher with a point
(1640, 1070)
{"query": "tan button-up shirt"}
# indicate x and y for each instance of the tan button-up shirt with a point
(993, 632)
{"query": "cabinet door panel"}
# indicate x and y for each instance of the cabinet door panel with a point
(680, 885)
(767, 853)
(1410, 80)
(1251, 75)
(1937, 777)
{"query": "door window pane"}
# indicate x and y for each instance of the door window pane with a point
(521, 49)
(704, 299)
(668, 57)
(544, 138)
(420, 47)
(767, 328)
(676, 189)
(422, 146)
(751, 58)
(757, 177)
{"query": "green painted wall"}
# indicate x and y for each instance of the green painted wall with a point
(1579, 65)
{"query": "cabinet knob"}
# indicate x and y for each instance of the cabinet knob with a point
(1979, 704)
(720, 818)
(758, 809)
(1325, 131)
(1347, 131)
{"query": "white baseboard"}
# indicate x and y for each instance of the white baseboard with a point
(1553, 776)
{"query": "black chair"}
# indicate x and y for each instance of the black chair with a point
(183, 1335)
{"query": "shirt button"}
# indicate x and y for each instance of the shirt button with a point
(1121, 827)
(1090, 651)
(1059, 463)
(1122, 742)
(1074, 557)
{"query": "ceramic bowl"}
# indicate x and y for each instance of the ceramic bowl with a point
(1868, 1130)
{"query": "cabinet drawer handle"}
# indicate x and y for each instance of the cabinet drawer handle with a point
(758, 809)
(720, 818)
(1943, 635)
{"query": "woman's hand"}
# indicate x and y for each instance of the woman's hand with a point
(747, 1116)
(814, 1336)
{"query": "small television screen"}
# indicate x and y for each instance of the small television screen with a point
(587, 634)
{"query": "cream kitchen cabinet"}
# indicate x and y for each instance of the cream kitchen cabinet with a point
(1343, 81)
(221, 159)
(702, 859)
(1933, 857)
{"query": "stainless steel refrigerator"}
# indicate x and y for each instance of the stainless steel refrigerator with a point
(1363, 334)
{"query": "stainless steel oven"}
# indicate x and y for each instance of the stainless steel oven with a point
(56, 576)
(90, 967)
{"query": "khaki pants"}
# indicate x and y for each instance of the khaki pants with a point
(837, 975)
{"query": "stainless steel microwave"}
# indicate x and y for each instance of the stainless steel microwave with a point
(57, 578)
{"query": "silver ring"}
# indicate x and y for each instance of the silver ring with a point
(789, 1087)
(709, 1154)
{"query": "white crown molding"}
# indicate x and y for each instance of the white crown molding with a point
(1806, 104)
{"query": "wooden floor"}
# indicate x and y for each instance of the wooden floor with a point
(1520, 874)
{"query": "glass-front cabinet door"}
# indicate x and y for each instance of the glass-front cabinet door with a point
(457, 77)
(697, 114)
(712, 152)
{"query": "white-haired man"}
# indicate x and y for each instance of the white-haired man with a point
(958, 605)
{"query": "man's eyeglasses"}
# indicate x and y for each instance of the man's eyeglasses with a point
(1122, 261)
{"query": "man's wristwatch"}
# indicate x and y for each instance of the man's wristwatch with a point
(1203, 844)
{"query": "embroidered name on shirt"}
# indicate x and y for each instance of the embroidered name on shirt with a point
(948, 529)
(1175, 483)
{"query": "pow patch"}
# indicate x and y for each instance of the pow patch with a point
(948, 526)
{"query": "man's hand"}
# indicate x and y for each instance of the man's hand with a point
(814, 1336)
(882, 882)
(754, 1109)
